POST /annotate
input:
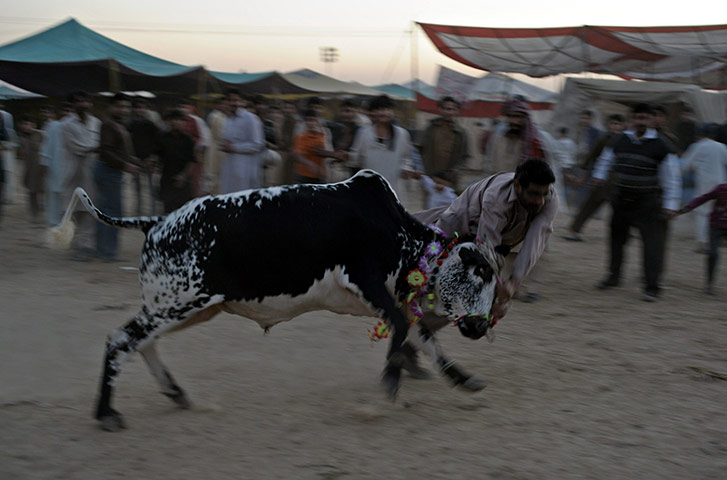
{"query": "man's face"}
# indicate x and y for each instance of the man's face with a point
(641, 121)
(235, 102)
(516, 122)
(532, 197)
(26, 126)
(82, 104)
(319, 109)
(289, 109)
(659, 120)
(448, 110)
(176, 123)
(311, 123)
(120, 109)
(615, 126)
(382, 115)
(347, 114)
(585, 120)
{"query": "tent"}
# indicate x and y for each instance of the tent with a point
(690, 54)
(11, 92)
(60, 59)
(484, 97)
(313, 81)
(614, 96)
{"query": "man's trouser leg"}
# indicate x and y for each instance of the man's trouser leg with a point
(108, 185)
(620, 226)
(715, 235)
(648, 219)
(596, 198)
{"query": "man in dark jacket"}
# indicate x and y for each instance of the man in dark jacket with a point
(444, 143)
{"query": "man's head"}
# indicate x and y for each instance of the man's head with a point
(290, 109)
(381, 109)
(659, 116)
(316, 104)
(533, 178)
(259, 106)
(120, 107)
(348, 111)
(80, 101)
(310, 117)
(448, 108)
(46, 113)
(139, 108)
(585, 118)
(175, 118)
(234, 99)
(516, 112)
(66, 108)
(708, 130)
(27, 124)
(616, 123)
(642, 117)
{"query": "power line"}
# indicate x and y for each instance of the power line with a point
(210, 29)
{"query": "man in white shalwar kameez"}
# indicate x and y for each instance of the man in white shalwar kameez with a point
(244, 143)
(707, 158)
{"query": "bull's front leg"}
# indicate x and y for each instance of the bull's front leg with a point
(426, 341)
(385, 305)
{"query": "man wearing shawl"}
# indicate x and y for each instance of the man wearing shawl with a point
(517, 141)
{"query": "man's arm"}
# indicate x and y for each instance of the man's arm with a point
(256, 142)
(603, 164)
(670, 179)
(535, 240)
(697, 201)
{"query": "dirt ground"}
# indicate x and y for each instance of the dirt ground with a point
(581, 385)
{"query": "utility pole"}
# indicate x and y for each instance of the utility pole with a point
(329, 55)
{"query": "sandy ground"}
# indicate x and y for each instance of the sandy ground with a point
(581, 385)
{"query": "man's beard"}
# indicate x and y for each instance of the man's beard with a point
(515, 130)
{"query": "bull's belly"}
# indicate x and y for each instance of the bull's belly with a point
(333, 293)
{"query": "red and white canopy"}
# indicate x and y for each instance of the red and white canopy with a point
(690, 54)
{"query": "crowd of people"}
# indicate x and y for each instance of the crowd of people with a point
(248, 142)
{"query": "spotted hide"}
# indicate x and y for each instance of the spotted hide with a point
(272, 254)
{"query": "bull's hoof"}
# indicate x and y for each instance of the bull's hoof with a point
(113, 422)
(390, 382)
(472, 385)
(180, 398)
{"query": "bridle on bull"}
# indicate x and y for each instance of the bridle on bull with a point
(422, 280)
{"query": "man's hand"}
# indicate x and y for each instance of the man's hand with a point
(503, 294)
(225, 146)
(669, 214)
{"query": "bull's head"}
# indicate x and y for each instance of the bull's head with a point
(466, 283)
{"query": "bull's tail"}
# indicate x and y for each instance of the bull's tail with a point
(62, 234)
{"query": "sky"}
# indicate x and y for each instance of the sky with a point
(373, 37)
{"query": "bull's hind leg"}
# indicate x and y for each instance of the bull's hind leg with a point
(157, 368)
(135, 335)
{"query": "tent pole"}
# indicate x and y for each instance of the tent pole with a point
(201, 85)
(414, 57)
(114, 76)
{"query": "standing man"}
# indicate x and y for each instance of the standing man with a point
(244, 143)
(216, 121)
(597, 193)
(644, 182)
(383, 146)
(707, 158)
(80, 136)
(51, 157)
(144, 136)
(7, 153)
(518, 141)
(29, 140)
(176, 158)
(114, 158)
(444, 143)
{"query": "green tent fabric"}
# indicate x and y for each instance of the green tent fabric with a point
(70, 56)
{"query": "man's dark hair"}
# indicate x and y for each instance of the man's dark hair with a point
(348, 103)
(616, 117)
(77, 96)
(120, 97)
(314, 101)
(27, 118)
(259, 100)
(309, 112)
(658, 108)
(64, 106)
(534, 170)
(587, 113)
(139, 103)
(382, 101)
(173, 113)
(449, 98)
(232, 91)
(642, 108)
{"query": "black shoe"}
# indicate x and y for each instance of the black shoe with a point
(573, 237)
(608, 283)
(650, 297)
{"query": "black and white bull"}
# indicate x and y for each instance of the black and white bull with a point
(273, 254)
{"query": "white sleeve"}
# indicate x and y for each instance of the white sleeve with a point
(670, 179)
(603, 164)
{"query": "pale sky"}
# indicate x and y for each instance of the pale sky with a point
(370, 35)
